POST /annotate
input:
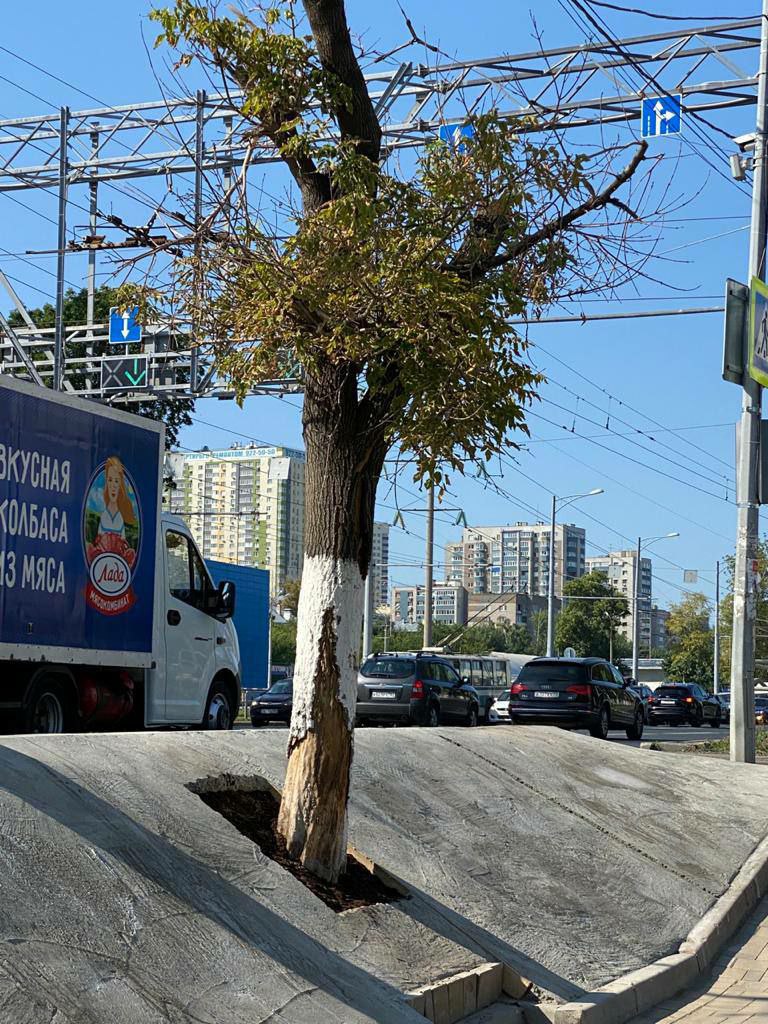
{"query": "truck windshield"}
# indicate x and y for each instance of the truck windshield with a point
(387, 668)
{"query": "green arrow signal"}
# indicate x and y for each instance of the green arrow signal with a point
(135, 378)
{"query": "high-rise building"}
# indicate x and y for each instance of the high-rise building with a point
(380, 564)
(244, 505)
(449, 604)
(507, 609)
(619, 567)
(515, 558)
(659, 617)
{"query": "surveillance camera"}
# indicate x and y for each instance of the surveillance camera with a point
(745, 142)
(737, 167)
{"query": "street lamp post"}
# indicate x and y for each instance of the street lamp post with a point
(557, 503)
(636, 600)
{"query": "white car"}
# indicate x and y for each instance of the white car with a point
(499, 711)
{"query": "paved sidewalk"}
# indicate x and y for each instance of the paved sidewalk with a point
(736, 992)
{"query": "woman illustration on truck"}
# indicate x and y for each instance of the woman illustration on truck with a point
(117, 513)
(117, 505)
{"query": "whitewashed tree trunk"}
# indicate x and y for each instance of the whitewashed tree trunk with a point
(344, 459)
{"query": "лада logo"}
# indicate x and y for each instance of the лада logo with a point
(111, 538)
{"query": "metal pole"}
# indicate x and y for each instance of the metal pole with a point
(636, 615)
(743, 649)
(93, 188)
(194, 359)
(610, 639)
(368, 613)
(716, 665)
(61, 236)
(429, 568)
(551, 584)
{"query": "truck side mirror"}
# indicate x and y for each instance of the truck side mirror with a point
(226, 602)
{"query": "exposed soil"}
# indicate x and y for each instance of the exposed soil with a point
(254, 814)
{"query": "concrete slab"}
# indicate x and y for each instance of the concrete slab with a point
(124, 898)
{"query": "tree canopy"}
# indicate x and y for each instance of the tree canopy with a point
(689, 657)
(586, 623)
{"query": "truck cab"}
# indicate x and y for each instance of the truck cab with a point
(196, 674)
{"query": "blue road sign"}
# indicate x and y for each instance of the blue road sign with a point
(661, 115)
(124, 326)
(452, 134)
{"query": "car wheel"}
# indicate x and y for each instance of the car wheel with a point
(47, 709)
(600, 729)
(635, 731)
(433, 716)
(716, 721)
(472, 717)
(218, 711)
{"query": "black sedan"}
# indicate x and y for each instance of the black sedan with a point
(274, 705)
(684, 704)
(575, 693)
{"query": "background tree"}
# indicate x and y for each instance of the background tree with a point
(283, 643)
(174, 411)
(394, 291)
(481, 639)
(726, 617)
(689, 657)
(586, 625)
(289, 602)
(538, 627)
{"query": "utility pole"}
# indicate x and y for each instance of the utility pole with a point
(61, 224)
(429, 566)
(551, 584)
(368, 614)
(93, 211)
(636, 612)
(716, 665)
(747, 495)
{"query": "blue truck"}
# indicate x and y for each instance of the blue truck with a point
(108, 614)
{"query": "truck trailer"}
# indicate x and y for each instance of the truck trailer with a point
(108, 614)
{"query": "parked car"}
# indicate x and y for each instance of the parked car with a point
(414, 688)
(576, 693)
(274, 705)
(724, 700)
(643, 692)
(681, 703)
(499, 709)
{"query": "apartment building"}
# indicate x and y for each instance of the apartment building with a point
(620, 567)
(515, 558)
(449, 604)
(659, 617)
(380, 564)
(244, 505)
(506, 609)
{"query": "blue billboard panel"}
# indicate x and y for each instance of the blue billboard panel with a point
(78, 521)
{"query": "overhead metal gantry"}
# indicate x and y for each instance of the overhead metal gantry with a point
(561, 88)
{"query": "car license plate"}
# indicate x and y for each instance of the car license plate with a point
(269, 711)
(546, 693)
(383, 694)
(668, 702)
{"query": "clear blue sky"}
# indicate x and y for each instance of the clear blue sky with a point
(666, 369)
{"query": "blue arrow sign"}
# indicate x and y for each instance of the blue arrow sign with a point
(124, 326)
(661, 115)
(452, 134)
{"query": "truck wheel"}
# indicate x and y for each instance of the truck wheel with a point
(218, 711)
(46, 709)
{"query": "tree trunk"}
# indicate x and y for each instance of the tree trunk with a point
(343, 466)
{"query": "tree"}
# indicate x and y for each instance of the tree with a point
(586, 625)
(283, 643)
(538, 627)
(394, 291)
(174, 411)
(689, 657)
(761, 612)
(289, 602)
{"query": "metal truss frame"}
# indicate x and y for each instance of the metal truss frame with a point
(562, 88)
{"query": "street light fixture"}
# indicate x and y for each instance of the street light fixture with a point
(636, 602)
(558, 503)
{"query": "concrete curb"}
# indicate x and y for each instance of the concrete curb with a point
(670, 747)
(640, 990)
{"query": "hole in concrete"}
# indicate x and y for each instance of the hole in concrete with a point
(252, 805)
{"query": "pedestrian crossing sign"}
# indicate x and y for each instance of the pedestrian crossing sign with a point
(758, 331)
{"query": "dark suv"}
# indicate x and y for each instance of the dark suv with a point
(418, 688)
(677, 703)
(576, 693)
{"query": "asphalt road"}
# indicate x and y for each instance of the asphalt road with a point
(661, 733)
